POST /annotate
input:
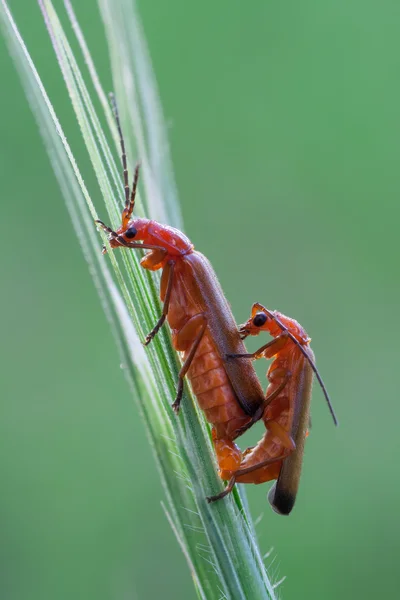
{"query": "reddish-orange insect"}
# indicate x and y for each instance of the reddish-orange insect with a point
(279, 454)
(202, 324)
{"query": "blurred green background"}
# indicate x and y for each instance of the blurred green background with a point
(284, 125)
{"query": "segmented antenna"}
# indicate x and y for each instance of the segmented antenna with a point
(311, 362)
(129, 196)
(114, 107)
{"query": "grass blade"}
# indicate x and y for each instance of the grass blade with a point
(220, 535)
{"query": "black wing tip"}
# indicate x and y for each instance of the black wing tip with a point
(282, 502)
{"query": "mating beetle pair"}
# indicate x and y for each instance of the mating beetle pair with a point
(215, 360)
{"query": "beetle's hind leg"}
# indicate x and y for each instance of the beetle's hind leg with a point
(245, 471)
(224, 492)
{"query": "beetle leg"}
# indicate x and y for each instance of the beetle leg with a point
(106, 228)
(245, 471)
(138, 245)
(153, 260)
(224, 493)
(261, 464)
(193, 330)
(166, 289)
(268, 350)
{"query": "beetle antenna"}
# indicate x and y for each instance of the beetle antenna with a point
(311, 362)
(129, 197)
(114, 107)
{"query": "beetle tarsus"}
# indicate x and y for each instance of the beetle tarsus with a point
(177, 404)
(224, 492)
(147, 339)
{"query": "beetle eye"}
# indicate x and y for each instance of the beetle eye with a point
(130, 233)
(260, 319)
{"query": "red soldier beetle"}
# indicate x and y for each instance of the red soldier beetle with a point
(279, 454)
(202, 324)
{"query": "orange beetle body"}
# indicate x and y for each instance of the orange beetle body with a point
(278, 455)
(201, 319)
(286, 417)
(227, 395)
(202, 324)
